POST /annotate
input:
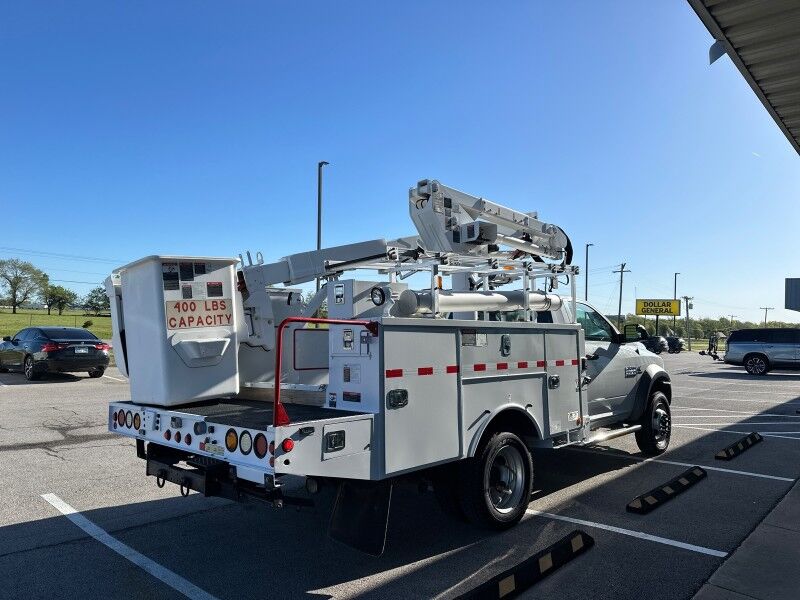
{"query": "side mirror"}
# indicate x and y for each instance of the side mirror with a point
(635, 333)
(7, 338)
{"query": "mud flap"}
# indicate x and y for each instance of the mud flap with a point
(360, 516)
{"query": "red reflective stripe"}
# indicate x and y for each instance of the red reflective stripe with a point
(559, 363)
(452, 368)
(479, 367)
(394, 373)
(502, 366)
(523, 364)
(541, 364)
(574, 362)
(425, 371)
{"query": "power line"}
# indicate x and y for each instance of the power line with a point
(8, 249)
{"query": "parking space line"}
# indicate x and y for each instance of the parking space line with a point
(774, 403)
(743, 423)
(763, 433)
(115, 378)
(630, 532)
(684, 464)
(735, 412)
(173, 580)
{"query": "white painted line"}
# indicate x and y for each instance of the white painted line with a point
(637, 534)
(775, 403)
(735, 412)
(173, 580)
(728, 423)
(684, 464)
(762, 433)
(115, 378)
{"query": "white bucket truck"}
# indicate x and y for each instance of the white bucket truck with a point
(238, 385)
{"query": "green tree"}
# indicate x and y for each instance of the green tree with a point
(58, 297)
(96, 301)
(21, 281)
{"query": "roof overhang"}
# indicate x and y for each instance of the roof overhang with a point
(762, 38)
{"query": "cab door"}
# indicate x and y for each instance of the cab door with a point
(781, 346)
(607, 365)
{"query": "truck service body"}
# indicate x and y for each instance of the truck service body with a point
(237, 386)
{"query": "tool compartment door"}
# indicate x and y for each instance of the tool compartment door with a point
(425, 430)
(563, 407)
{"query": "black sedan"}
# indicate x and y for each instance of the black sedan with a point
(38, 350)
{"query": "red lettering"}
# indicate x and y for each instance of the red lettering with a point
(229, 319)
(222, 305)
(181, 323)
(172, 322)
(177, 306)
(190, 320)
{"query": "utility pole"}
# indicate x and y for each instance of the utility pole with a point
(586, 275)
(688, 299)
(320, 164)
(622, 270)
(732, 317)
(766, 309)
(674, 297)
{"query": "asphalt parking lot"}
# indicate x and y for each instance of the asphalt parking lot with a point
(53, 441)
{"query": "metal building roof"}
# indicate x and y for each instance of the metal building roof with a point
(762, 38)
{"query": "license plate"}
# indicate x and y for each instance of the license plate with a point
(81, 350)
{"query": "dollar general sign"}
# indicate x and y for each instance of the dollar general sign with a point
(658, 307)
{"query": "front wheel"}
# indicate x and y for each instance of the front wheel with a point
(495, 485)
(30, 372)
(656, 422)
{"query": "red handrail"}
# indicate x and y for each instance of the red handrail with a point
(279, 415)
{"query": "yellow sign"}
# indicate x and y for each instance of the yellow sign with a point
(670, 308)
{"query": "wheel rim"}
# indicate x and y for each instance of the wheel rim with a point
(506, 479)
(28, 367)
(756, 365)
(661, 425)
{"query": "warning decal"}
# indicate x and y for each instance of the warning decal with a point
(188, 314)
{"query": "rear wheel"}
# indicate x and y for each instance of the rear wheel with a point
(495, 485)
(756, 364)
(30, 372)
(95, 373)
(656, 422)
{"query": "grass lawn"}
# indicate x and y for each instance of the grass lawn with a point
(12, 323)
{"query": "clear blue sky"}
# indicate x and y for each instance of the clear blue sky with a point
(129, 129)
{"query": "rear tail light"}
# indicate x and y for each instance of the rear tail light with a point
(231, 440)
(128, 419)
(260, 445)
(52, 347)
(272, 447)
(137, 421)
(102, 346)
(287, 445)
(121, 418)
(188, 439)
(168, 435)
(177, 437)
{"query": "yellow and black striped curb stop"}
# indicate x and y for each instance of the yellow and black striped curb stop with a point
(512, 582)
(736, 448)
(644, 503)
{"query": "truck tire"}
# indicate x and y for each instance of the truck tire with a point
(495, 485)
(653, 437)
(756, 364)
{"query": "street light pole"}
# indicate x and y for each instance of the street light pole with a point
(320, 164)
(766, 309)
(687, 299)
(732, 316)
(621, 271)
(586, 275)
(674, 297)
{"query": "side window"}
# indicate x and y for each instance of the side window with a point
(22, 335)
(781, 336)
(595, 327)
(544, 316)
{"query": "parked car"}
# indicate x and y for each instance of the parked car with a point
(760, 350)
(656, 344)
(676, 344)
(39, 350)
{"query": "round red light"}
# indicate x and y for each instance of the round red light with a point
(178, 437)
(188, 438)
(287, 445)
(167, 435)
(260, 445)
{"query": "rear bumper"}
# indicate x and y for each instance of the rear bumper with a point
(84, 364)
